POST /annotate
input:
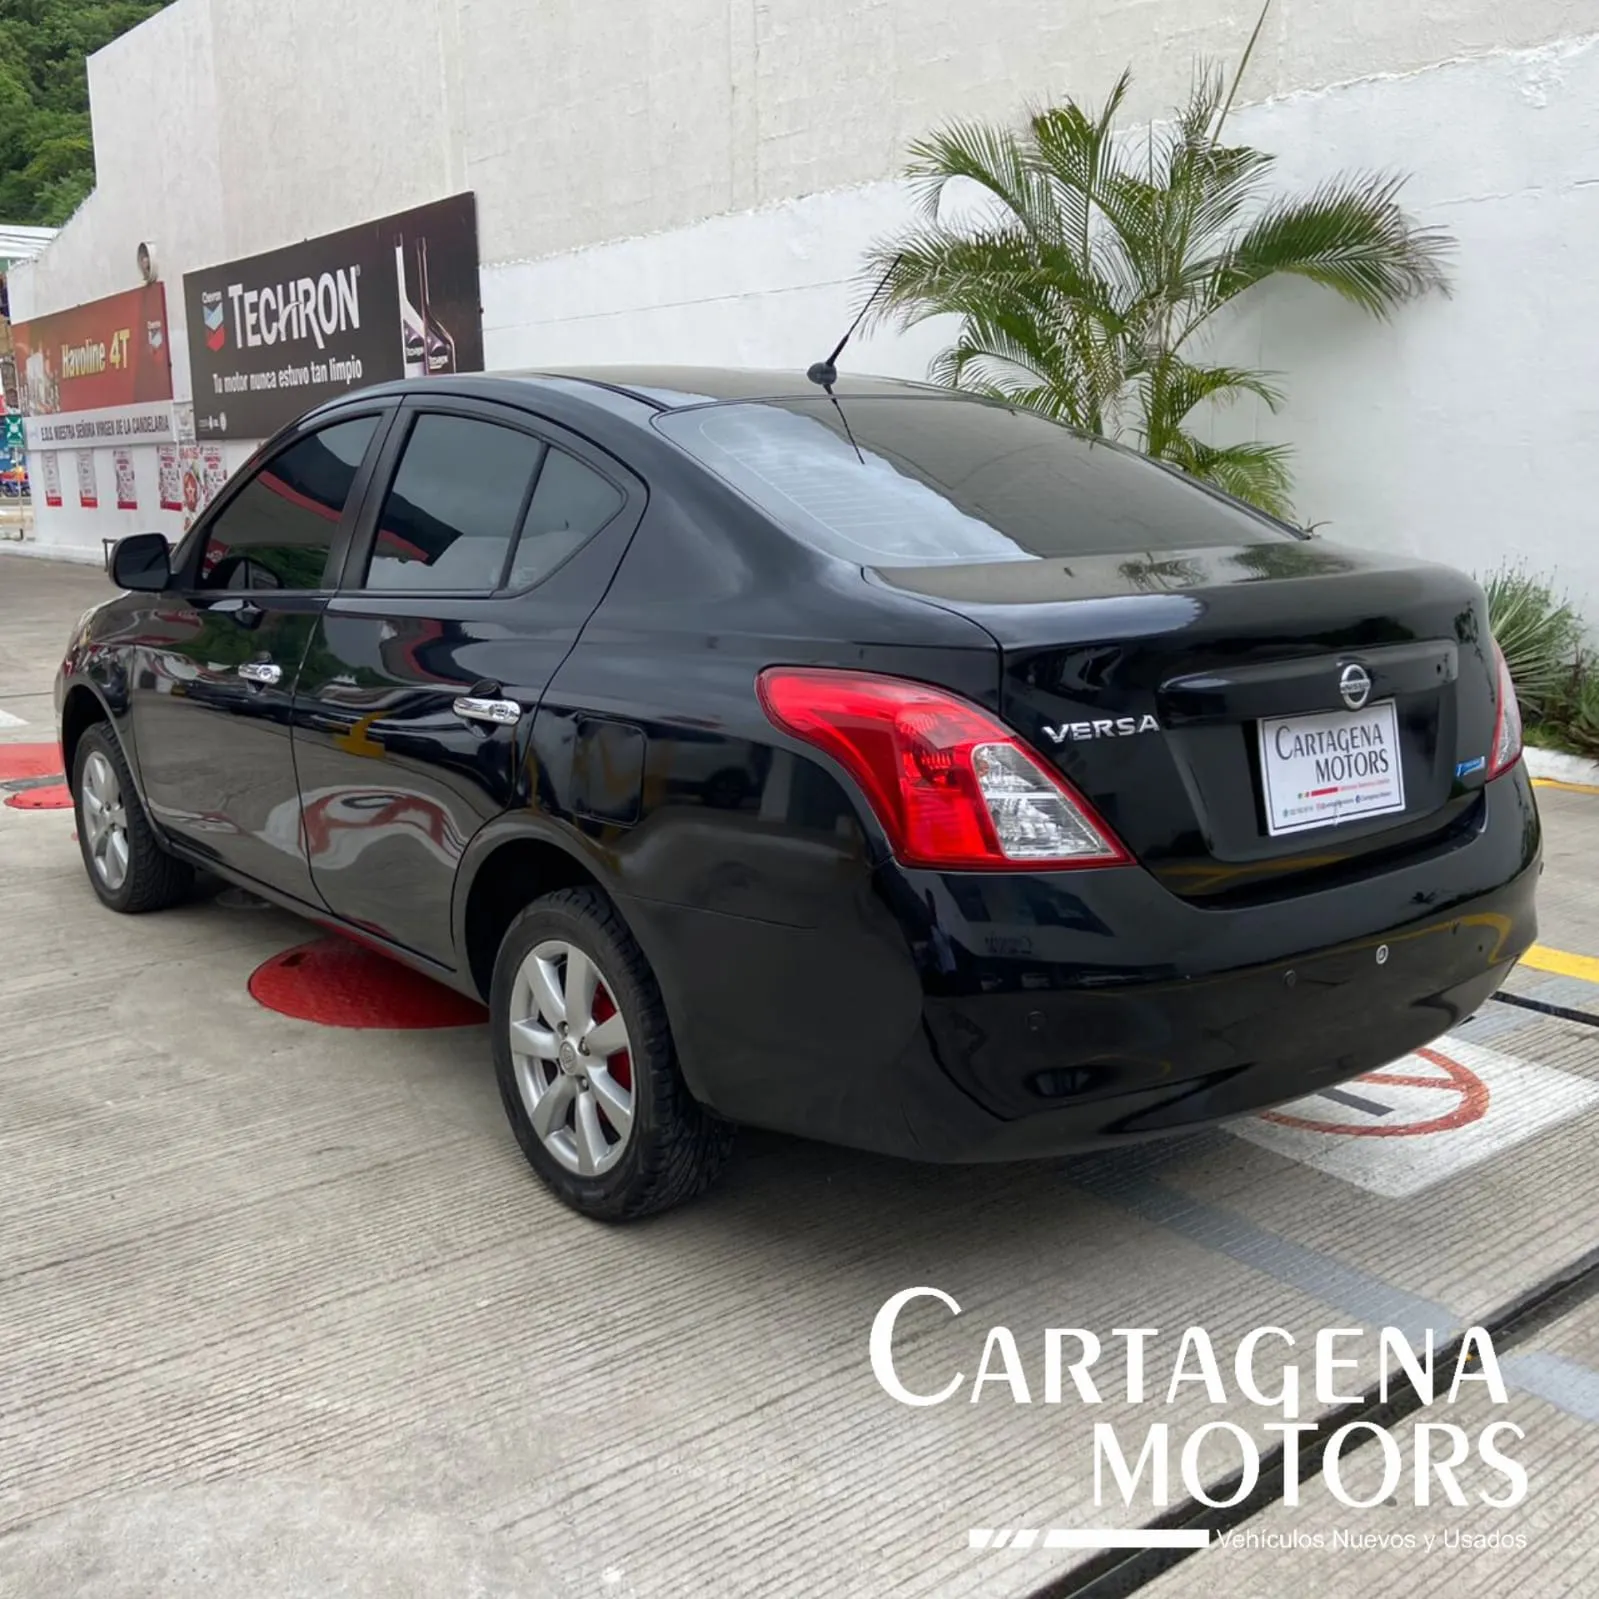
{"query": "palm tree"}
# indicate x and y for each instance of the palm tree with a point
(1087, 281)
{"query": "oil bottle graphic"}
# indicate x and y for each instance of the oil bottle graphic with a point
(413, 330)
(440, 347)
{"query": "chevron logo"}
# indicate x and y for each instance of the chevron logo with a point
(215, 318)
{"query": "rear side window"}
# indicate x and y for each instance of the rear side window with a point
(277, 531)
(571, 503)
(936, 481)
(453, 511)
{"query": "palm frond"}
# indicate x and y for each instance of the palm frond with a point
(1172, 388)
(1073, 154)
(993, 158)
(1253, 472)
(1349, 235)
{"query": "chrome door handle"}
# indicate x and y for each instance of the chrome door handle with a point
(503, 713)
(260, 672)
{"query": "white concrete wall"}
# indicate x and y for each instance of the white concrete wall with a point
(696, 180)
(1463, 431)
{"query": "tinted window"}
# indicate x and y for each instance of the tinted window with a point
(939, 481)
(277, 531)
(570, 505)
(450, 517)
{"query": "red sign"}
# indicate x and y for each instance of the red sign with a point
(109, 353)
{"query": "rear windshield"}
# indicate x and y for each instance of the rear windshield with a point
(939, 481)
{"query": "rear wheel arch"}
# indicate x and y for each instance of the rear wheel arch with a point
(503, 884)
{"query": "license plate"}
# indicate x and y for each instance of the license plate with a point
(1334, 766)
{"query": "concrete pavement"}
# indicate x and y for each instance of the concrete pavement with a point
(285, 1313)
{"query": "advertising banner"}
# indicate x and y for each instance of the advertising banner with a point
(170, 486)
(127, 484)
(100, 372)
(52, 478)
(274, 335)
(88, 481)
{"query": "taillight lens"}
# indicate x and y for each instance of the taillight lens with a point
(952, 787)
(1507, 723)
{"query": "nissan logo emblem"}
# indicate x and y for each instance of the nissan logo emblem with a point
(1354, 683)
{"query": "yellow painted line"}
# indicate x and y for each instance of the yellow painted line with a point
(1563, 786)
(1562, 963)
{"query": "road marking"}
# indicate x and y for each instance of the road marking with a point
(8, 720)
(1564, 787)
(1562, 963)
(1411, 1096)
(1431, 1116)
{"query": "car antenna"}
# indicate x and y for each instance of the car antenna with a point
(825, 373)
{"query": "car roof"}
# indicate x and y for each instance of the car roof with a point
(635, 394)
(671, 387)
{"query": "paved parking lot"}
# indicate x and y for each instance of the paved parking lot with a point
(285, 1313)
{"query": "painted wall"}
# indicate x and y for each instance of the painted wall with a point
(696, 180)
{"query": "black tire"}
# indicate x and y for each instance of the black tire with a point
(155, 880)
(676, 1148)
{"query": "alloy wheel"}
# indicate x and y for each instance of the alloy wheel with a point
(105, 821)
(573, 1058)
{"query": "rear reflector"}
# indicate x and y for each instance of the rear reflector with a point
(1507, 723)
(951, 785)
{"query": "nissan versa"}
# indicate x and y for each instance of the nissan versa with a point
(883, 765)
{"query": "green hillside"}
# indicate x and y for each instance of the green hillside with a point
(46, 154)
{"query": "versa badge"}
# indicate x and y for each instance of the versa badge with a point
(1102, 727)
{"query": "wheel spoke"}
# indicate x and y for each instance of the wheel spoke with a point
(119, 857)
(549, 1114)
(581, 979)
(591, 1145)
(614, 1100)
(546, 992)
(611, 1035)
(528, 1038)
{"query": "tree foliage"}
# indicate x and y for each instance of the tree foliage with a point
(46, 153)
(1088, 273)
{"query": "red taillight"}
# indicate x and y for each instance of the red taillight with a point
(952, 787)
(1506, 750)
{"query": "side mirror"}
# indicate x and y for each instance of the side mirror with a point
(142, 562)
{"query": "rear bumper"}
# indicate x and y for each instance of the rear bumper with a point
(963, 1018)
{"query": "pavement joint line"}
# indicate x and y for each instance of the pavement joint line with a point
(1116, 1574)
(1561, 962)
(1564, 1012)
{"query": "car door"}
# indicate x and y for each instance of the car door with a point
(212, 693)
(491, 543)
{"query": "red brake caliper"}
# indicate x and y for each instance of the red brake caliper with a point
(620, 1066)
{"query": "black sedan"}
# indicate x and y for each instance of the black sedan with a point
(881, 765)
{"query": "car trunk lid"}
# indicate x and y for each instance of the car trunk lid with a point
(1246, 718)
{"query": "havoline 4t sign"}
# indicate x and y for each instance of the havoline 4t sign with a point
(272, 336)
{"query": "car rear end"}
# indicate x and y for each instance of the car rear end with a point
(1243, 817)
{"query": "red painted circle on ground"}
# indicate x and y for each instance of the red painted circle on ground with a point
(337, 983)
(30, 760)
(54, 797)
(1469, 1091)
